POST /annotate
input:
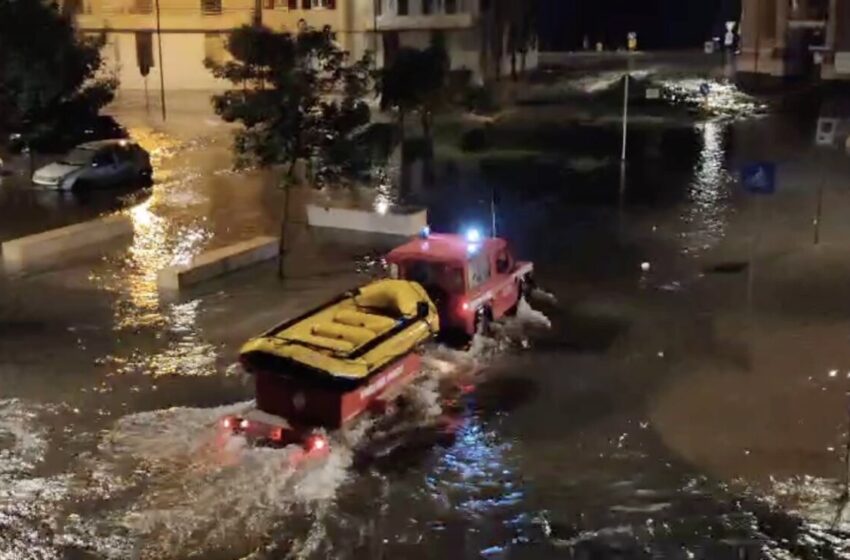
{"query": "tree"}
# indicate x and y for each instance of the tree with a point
(48, 74)
(509, 28)
(416, 80)
(297, 99)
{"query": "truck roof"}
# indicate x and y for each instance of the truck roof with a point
(442, 247)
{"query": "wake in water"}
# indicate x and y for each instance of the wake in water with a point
(170, 483)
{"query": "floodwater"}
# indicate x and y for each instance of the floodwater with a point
(677, 388)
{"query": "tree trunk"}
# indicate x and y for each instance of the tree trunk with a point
(523, 55)
(513, 65)
(281, 247)
(426, 123)
(401, 125)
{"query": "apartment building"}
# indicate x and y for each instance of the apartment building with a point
(193, 30)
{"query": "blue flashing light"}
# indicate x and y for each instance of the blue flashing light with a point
(473, 236)
(425, 232)
(472, 248)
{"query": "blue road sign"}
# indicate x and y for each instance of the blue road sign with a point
(759, 177)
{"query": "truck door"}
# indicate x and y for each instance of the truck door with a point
(505, 291)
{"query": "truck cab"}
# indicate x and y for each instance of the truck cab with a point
(472, 280)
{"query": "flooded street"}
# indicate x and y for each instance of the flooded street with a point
(677, 388)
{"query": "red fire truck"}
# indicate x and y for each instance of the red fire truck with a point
(472, 280)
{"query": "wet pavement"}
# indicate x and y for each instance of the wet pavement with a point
(679, 390)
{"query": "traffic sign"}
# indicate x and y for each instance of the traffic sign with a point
(759, 177)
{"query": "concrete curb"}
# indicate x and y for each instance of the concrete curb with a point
(400, 224)
(217, 262)
(40, 249)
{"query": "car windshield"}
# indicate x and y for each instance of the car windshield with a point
(77, 156)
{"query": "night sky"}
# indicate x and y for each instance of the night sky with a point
(660, 24)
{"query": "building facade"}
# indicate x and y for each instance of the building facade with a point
(193, 30)
(795, 38)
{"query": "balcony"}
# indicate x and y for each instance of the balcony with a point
(394, 22)
(400, 15)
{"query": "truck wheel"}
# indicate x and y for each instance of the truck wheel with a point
(483, 322)
(523, 291)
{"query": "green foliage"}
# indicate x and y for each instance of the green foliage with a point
(48, 74)
(416, 80)
(510, 29)
(297, 97)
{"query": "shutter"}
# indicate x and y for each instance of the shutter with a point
(144, 51)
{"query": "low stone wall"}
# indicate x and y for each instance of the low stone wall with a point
(217, 263)
(42, 249)
(402, 224)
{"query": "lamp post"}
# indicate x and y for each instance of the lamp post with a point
(161, 69)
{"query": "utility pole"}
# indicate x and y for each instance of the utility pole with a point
(626, 80)
(161, 69)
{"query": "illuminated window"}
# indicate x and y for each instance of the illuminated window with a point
(211, 7)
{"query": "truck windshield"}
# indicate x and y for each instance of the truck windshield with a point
(435, 275)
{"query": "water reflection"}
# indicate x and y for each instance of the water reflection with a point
(706, 215)
(474, 473)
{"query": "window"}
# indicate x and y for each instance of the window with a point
(318, 4)
(379, 7)
(451, 6)
(427, 7)
(503, 262)
(479, 271)
(437, 278)
(210, 7)
(292, 4)
(103, 157)
(403, 8)
(142, 7)
(144, 52)
(73, 7)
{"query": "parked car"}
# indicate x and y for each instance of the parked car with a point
(105, 163)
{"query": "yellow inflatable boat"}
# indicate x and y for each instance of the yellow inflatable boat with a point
(349, 338)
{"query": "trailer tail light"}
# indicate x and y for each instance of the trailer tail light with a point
(317, 443)
(229, 423)
(464, 306)
(244, 424)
